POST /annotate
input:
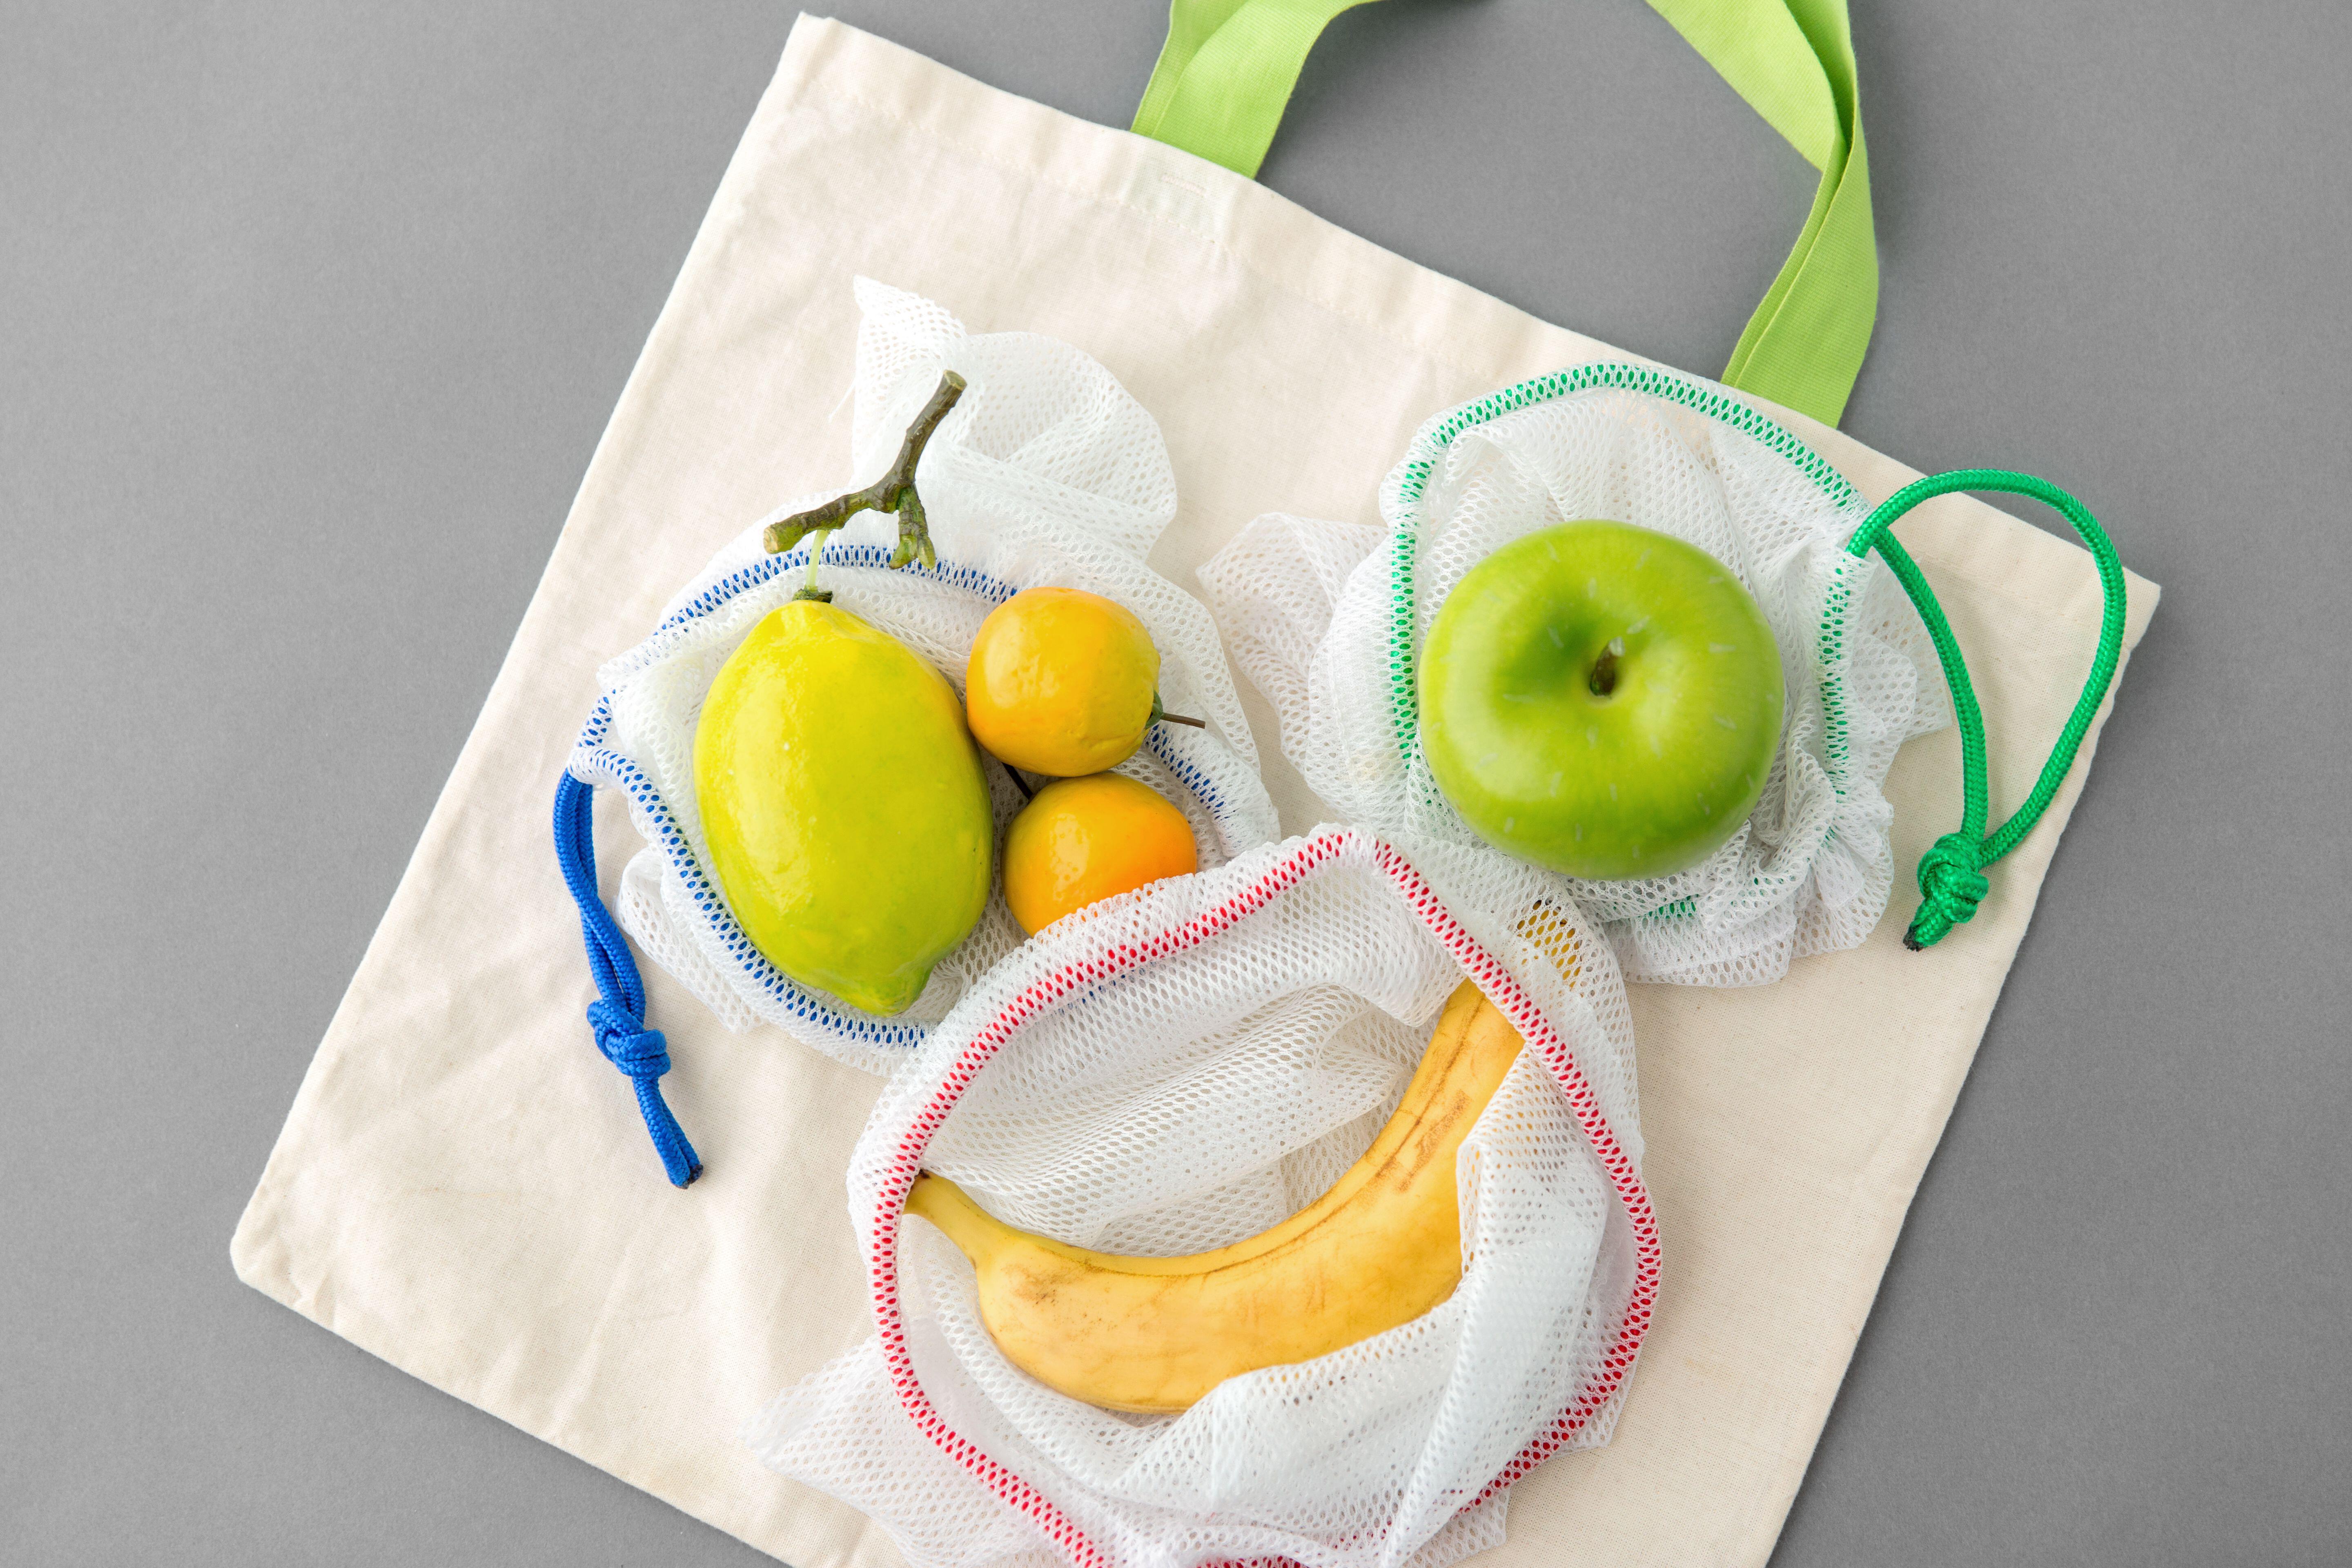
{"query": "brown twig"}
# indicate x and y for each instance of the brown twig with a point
(893, 492)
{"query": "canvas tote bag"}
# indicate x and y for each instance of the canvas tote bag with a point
(461, 1184)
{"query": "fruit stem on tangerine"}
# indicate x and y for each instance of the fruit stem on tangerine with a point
(893, 492)
(1161, 715)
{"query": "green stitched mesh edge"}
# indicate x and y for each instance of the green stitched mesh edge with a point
(1421, 459)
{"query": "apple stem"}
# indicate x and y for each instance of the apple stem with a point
(893, 492)
(1604, 669)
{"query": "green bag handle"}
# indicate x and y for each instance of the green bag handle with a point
(1227, 71)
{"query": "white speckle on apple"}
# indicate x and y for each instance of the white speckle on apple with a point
(1642, 560)
(1510, 824)
(1579, 833)
(1592, 734)
(1723, 647)
(1488, 759)
(1613, 791)
(1553, 633)
(1591, 587)
(1728, 723)
(1642, 625)
(1555, 784)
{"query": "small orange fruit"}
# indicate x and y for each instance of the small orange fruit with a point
(1083, 840)
(1062, 682)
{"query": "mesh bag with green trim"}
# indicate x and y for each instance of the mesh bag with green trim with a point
(1327, 620)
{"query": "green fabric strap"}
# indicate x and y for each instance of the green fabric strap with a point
(1227, 71)
(1951, 875)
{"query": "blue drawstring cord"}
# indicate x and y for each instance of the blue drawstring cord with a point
(618, 1014)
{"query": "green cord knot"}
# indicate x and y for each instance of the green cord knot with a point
(1951, 885)
(1951, 875)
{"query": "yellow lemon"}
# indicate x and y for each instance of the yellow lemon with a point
(843, 805)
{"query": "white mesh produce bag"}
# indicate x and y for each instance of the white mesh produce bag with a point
(1047, 473)
(1177, 1070)
(1327, 621)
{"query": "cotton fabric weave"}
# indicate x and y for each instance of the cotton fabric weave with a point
(463, 1187)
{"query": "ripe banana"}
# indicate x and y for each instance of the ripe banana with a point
(1381, 1247)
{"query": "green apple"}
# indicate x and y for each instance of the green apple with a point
(1603, 700)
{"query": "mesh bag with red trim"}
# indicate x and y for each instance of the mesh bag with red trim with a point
(1175, 1070)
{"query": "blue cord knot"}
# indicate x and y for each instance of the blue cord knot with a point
(1951, 885)
(627, 1043)
(618, 1014)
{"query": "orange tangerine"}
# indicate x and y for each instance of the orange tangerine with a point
(1062, 682)
(1083, 840)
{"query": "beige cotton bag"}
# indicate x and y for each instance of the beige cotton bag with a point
(462, 1185)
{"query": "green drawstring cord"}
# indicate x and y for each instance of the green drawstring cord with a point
(1951, 875)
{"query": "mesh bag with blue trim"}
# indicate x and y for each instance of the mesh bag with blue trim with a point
(1045, 472)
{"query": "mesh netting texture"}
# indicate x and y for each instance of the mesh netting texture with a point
(1327, 621)
(1178, 1069)
(1047, 473)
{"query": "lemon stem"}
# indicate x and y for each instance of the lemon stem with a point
(893, 492)
(809, 590)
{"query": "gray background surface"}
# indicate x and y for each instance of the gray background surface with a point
(311, 316)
